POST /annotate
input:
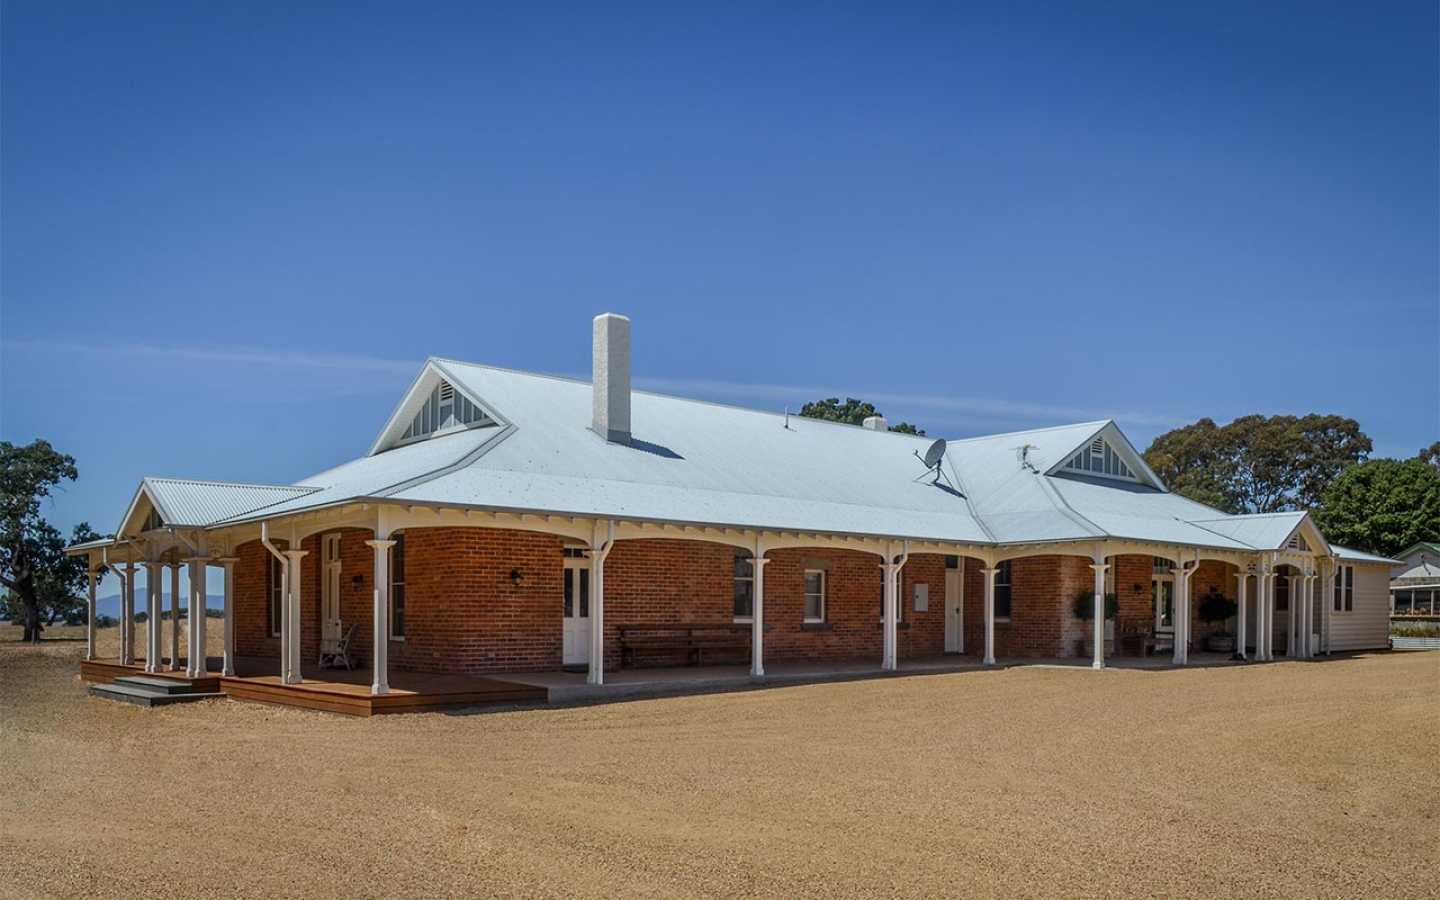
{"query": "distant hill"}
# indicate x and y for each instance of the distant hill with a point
(110, 606)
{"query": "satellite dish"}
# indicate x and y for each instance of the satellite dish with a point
(935, 454)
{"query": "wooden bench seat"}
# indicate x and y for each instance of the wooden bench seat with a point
(692, 639)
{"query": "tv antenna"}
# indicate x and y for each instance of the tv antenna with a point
(1023, 453)
(932, 459)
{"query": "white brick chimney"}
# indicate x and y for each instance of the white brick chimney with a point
(611, 378)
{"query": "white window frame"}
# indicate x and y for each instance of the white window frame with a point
(1343, 601)
(750, 579)
(275, 599)
(1007, 566)
(806, 595)
(404, 600)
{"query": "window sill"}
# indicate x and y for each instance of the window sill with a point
(1004, 624)
(816, 626)
(397, 640)
(902, 626)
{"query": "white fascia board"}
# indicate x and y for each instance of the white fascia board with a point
(1122, 446)
(145, 492)
(430, 374)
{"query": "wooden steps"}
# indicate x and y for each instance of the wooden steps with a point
(142, 690)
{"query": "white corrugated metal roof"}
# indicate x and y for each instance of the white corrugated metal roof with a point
(185, 502)
(705, 463)
(1348, 555)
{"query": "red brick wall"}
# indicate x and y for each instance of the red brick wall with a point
(465, 614)
(1043, 589)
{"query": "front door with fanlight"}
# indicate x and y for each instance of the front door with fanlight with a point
(575, 649)
(330, 591)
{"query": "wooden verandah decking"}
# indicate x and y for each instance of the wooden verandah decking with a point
(348, 692)
(332, 690)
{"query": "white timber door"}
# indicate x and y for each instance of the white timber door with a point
(330, 590)
(575, 649)
(954, 611)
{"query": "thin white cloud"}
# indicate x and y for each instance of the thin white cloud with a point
(983, 408)
(990, 407)
(244, 356)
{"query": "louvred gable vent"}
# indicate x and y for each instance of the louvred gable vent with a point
(447, 392)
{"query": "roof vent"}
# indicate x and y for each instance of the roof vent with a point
(876, 423)
(611, 379)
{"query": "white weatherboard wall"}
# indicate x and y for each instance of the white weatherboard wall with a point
(1368, 626)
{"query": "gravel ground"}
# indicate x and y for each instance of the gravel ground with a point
(1287, 780)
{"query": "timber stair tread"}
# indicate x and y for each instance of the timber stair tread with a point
(127, 690)
(166, 685)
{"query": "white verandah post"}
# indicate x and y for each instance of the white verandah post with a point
(757, 613)
(175, 617)
(1181, 655)
(1099, 567)
(1243, 579)
(195, 654)
(599, 549)
(381, 669)
(228, 667)
(90, 617)
(152, 616)
(989, 572)
(127, 616)
(291, 624)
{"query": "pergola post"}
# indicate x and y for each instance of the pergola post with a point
(1243, 580)
(757, 615)
(890, 606)
(127, 616)
(1099, 568)
(380, 683)
(195, 653)
(152, 616)
(290, 622)
(90, 617)
(175, 617)
(989, 572)
(228, 668)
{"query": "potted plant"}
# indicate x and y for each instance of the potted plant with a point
(1084, 610)
(1216, 607)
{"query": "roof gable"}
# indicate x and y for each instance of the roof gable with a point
(183, 503)
(435, 404)
(1107, 454)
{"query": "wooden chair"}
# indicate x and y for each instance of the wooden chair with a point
(334, 654)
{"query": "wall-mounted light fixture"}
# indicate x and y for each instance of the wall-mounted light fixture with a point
(516, 576)
(357, 582)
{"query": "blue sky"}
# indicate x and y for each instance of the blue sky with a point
(233, 231)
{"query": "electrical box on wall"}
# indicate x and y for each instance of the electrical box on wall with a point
(922, 598)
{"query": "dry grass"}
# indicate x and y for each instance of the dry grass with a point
(1299, 780)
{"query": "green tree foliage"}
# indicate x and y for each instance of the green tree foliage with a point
(851, 412)
(1258, 464)
(1382, 506)
(1431, 456)
(45, 584)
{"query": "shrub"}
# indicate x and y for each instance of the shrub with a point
(1216, 607)
(1084, 606)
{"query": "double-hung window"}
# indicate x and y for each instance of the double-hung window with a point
(397, 589)
(276, 594)
(814, 595)
(1345, 589)
(744, 587)
(1003, 580)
